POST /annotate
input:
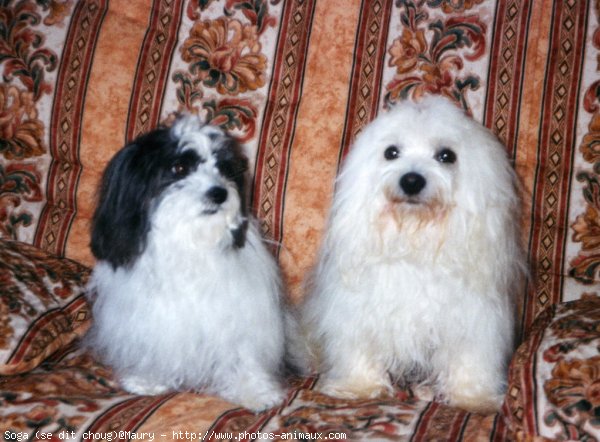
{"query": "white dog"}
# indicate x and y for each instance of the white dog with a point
(186, 294)
(420, 261)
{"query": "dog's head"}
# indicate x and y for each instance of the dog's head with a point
(421, 160)
(185, 183)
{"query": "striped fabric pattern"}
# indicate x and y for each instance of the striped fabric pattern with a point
(296, 81)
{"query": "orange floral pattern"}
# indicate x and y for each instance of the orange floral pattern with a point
(57, 11)
(585, 267)
(225, 57)
(564, 344)
(590, 145)
(21, 133)
(225, 54)
(575, 388)
(433, 65)
(587, 229)
(24, 63)
(406, 50)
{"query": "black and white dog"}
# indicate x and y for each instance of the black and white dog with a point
(185, 294)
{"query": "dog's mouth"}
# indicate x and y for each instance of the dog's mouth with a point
(400, 199)
(411, 201)
(421, 205)
(210, 211)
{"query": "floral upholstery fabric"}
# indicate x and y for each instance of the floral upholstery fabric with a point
(296, 81)
(42, 306)
(555, 375)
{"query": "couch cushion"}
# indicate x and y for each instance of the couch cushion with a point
(42, 305)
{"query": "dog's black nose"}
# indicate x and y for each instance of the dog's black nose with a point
(217, 194)
(412, 183)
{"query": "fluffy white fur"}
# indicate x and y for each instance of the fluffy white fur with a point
(419, 287)
(192, 312)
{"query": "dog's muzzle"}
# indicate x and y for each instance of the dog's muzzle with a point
(412, 183)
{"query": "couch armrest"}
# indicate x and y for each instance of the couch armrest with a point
(42, 305)
(554, 379)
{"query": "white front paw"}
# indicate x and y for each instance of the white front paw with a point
(142, 386)
(256, 396)
(264, 400)
(356, 387)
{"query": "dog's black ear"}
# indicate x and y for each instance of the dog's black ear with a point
(233, 164)
(121, 220)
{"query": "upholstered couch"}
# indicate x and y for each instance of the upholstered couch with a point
(295, 80)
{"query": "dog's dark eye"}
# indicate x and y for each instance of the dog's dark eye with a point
(185, 164)
(446, 155)
(179, 170)
(391, 153)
